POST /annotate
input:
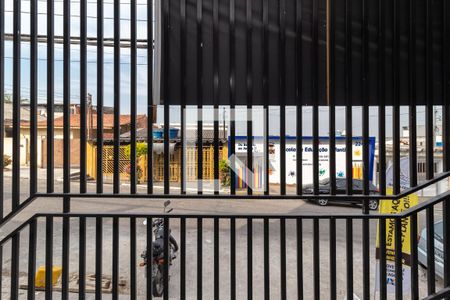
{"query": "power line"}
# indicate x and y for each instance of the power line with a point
(87, 50)
(75, 40)
(77, 61)
(78, 16)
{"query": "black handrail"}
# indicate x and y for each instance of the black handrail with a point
(407, 213)
(403, 194)
(232, 217)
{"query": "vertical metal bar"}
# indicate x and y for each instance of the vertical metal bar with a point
(316, 258)
(365, 137)
(116, 174)
(133, 97)
(199, 97)
(183, 90)
(429, 110)
(167, 259)
(299, 152)
(232, 97)
(283, 257)
(349, 258)
(398, 260)
(414, 258)
(82, 260)
(32, 240)
(382, 239)
(98, 257)
(282, 67)
(149, 252)
(216, 93)
(249, 96)
(315, 95)
(446, 135)
(66, 151)
(233, 259)
(265, 85)
(365, 114)
(133, 293)
(48, 257)
(100, 81)
(446, 91)
(65, 257)
(299, 229)
(316, 148)
(266, 260)
(50, 95)
(331, 97)
(332, 258)
(166, 146)
(365, 142)
(166, 45)
(15, 256)
(412, 96)
(249, 258)
(431, 283)
(150, 107)
(216, 259)
(396, 100)
(85, 108)
(115, 258)
(199, 258)
(33, 95)
(183, 258)
(2, 95)
(1, 273)
(66, 102)
(381, 97)
(298, 91)
(348, 98)
(15, 197)
(366, 253)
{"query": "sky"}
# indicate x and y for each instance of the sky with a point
(142, 72)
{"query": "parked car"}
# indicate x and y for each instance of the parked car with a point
(438, 248)
(341, 188)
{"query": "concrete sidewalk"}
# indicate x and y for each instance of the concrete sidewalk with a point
(41, 172)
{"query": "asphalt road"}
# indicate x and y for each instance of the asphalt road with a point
(149, 206)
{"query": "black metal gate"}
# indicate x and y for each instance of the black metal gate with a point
(291, 54)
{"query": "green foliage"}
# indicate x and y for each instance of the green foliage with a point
(224, 173)
(141, 149)
(6, 160)
(139, 172)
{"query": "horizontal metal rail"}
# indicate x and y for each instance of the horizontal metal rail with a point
(442, 294)
(397, 196)
(76, 40)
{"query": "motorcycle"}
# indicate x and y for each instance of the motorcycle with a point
(157, 259)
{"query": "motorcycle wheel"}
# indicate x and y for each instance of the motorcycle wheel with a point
(158, 285)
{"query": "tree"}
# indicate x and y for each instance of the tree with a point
(141, 149)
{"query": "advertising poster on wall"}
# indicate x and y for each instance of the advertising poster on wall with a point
(307, 158)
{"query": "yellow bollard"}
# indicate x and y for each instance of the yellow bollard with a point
(40, 276)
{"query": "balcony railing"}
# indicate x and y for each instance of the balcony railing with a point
(270, 257)
(290, 65)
